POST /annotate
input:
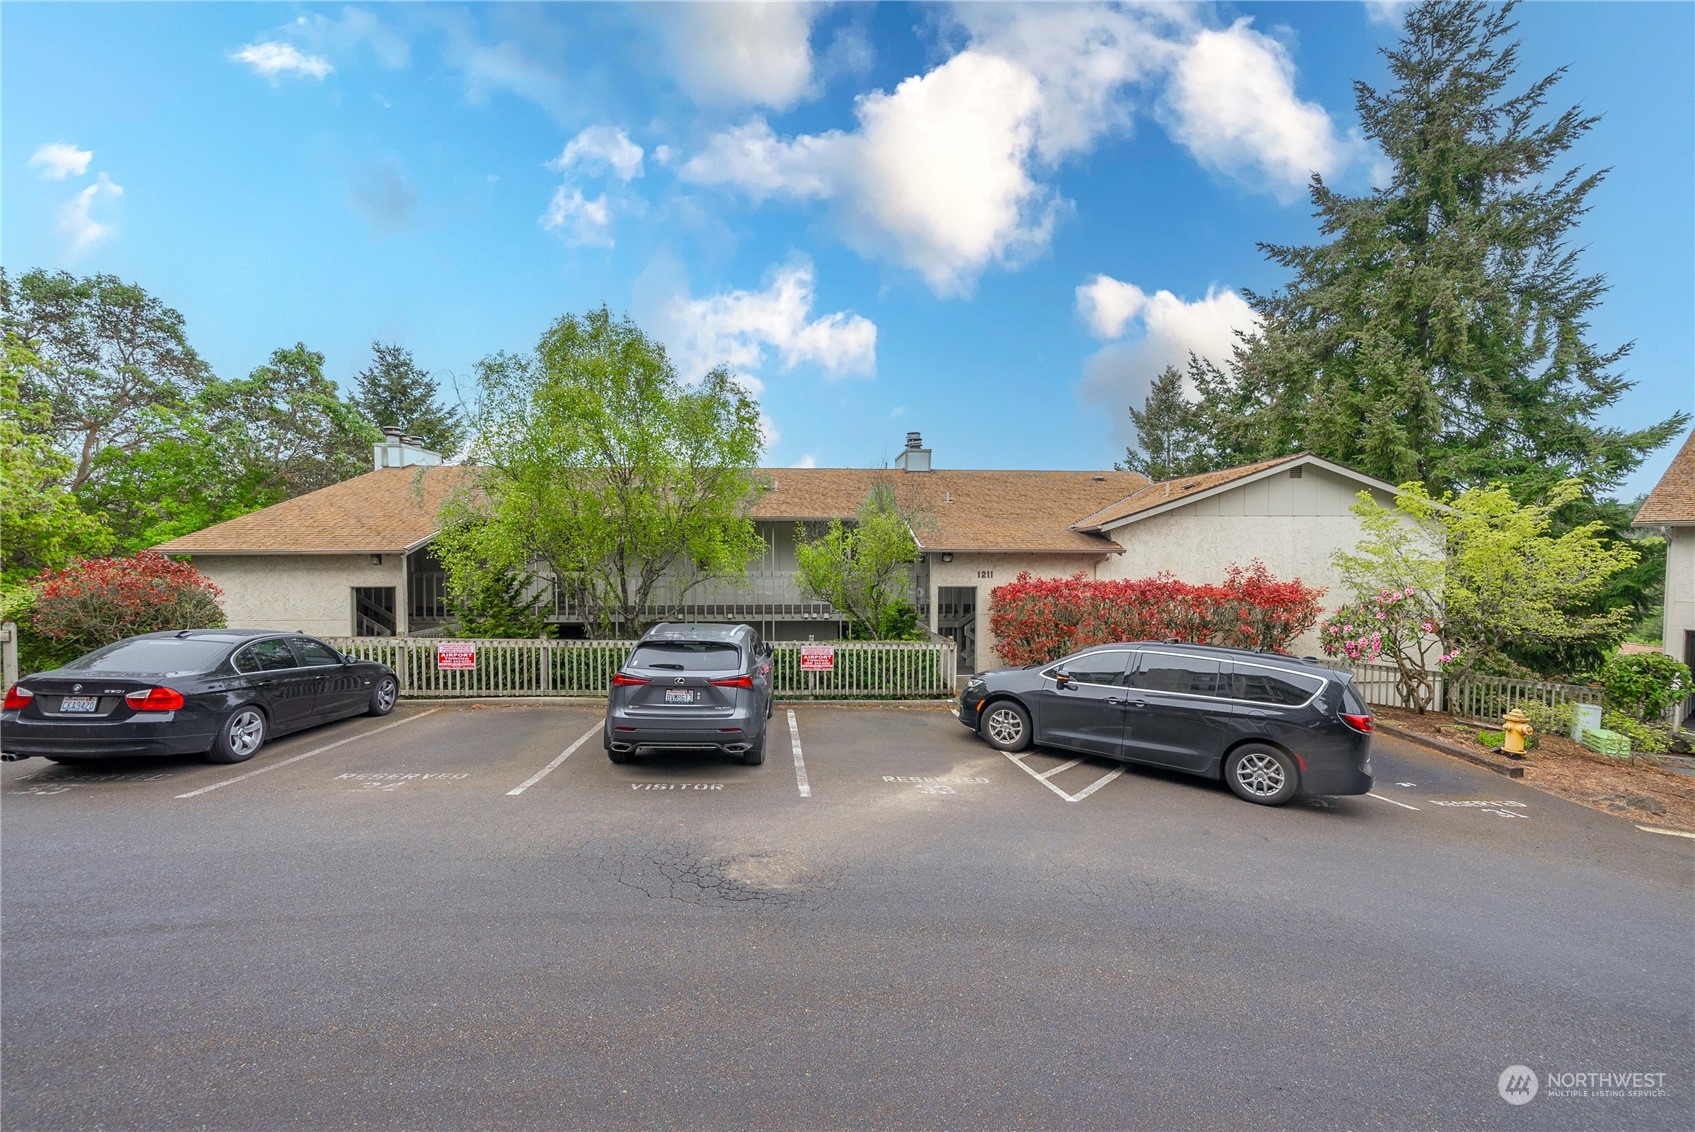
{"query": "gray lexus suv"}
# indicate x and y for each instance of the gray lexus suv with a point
(696, 687)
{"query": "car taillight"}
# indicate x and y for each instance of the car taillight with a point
(623, 681)
(1360, 723)
(155, 699)
(734, 682)
(17, 697)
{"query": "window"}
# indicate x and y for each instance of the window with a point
(265, 656)
(687, 656)
(153, 656)
(314, 654)
(1104, 668)
(1189, 675)
(1271, 686)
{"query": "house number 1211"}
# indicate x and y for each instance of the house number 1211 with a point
(985, 573)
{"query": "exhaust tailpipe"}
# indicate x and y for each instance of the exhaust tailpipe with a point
(737, 748)
(9, 757)
(623, 748)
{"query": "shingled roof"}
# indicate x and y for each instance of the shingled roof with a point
(1673, 499)
(1168, 491)
(394, 509)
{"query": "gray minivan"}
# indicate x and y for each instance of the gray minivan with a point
(1268, 724)
(694, 687)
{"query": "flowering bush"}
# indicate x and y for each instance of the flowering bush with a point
(1039, 619)
(1398, 626)
(95, 601)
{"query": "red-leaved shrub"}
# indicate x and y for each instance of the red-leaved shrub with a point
(1040, 619)
(95, 601)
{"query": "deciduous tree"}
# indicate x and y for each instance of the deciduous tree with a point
(864, 570)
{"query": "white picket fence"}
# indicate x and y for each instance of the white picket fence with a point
(1481, 699)
(861, 669)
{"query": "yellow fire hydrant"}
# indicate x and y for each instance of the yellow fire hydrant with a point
(1515, 729)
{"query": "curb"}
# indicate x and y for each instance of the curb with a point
(1451, 749)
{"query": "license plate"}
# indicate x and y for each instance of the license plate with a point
(78, 703)
(679, 696)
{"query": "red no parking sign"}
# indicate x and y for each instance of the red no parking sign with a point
(818, 658)
(455, 654)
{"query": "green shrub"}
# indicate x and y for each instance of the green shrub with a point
(1491, 739)
(1556, 719)
(1644, 684)
(1645, 738)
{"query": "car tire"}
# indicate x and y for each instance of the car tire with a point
(1261, 774)
(241, 736)
(770, 705)
(383, 696)
(755, 754)
(1005, 726)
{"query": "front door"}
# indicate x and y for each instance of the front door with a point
(1084, 712)
(287, 690)
(956, 619)
(340, 689)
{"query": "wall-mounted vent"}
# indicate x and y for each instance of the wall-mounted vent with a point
(947, 497)
(1294, 473)
(1100, 479)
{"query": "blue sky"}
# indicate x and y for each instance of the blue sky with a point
(989, 223)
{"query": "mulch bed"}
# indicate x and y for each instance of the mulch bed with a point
(1632, 788)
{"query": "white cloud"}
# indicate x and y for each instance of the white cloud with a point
(58, 160)
(1119, 374)
(1388, 13)
(1231, 103)
(601, 149)
(747, 329)
(276, 60)
(76, 216)
(577, 220)
(806, 461)
(520, 57)
(355, 26)
(751, 54)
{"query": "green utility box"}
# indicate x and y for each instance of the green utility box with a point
(1604, 742)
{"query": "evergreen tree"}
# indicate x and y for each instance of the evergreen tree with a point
(395, 391)
(1170, 430)
(1439, 334)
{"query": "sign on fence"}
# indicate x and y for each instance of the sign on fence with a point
(456, 654)
(818, 658)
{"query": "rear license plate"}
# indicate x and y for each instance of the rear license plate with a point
(679, 696)
(78, 703)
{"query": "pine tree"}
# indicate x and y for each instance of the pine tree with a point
(1439, 333)
(1170, 440)
(394, 391)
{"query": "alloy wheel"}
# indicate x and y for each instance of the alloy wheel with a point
(1004, 726)
(1260, 775)
(247, 731)
(385, 695)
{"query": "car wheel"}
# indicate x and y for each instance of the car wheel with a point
(770, 705)
(755, 754)
(1262, 775)
(240, 738)
(383, 696)
(1006, 726)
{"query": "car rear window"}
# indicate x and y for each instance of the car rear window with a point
(153, 656)
(1191, 675)
(1351, 702)
(687, 656)
(1271, 686)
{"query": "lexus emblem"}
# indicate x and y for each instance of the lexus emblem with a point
(76, 687)
(679, 680)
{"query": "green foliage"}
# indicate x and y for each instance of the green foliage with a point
(1492, 739)
(95, 601)
(865, 570)
(499, 603)
(42, 525)
(1171, 431)
(1546, 719)
(394, 391)
(1484, 571)
(1644, 684)
(1645, 738)
(115, 361)
(595, 459)
(1440, 333)
(36, 653)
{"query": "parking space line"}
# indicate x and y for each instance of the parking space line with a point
(1057, 769)
(800, 763)
(1019, 763)
(554, 765)
(1391, 801)
(309, 754)
(1667, 832)
(1097, 784)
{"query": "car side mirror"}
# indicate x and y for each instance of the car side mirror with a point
(1061, 679)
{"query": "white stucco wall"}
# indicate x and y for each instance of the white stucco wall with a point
(311, 593)
(969, 570)
(1292, 525)
(1680, 590)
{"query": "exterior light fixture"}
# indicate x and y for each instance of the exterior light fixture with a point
(376, 560)
(947, 557)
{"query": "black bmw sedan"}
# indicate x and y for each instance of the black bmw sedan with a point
(221, 692)
(1269, 725)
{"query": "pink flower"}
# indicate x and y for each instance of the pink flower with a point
(1380, 615)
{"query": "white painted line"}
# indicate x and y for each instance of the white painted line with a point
(309, 754)
(1667, 832)
(800, 763)
(1019, 763)
(1057, 769)
(552, 766)
(1391, 801)
(1097, 784)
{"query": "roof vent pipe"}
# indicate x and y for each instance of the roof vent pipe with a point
(914, 457)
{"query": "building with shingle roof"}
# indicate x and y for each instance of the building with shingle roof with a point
(1671, 507)
(355, 558)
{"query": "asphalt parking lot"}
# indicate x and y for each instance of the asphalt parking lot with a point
(465, 917)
